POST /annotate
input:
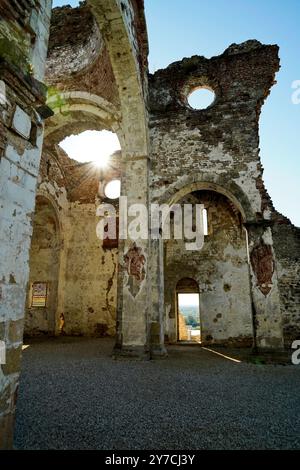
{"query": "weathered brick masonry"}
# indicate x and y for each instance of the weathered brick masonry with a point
(96, 70)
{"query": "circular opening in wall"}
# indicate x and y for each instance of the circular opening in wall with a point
(201, 98)
(62, 3)
(113, 189)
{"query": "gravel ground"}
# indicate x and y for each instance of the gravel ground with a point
(73, 395)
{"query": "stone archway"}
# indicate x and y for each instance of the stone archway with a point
(42, 295)
(221, 269)
(76, 111)
(232, 191)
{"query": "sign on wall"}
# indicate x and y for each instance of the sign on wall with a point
(39, 294)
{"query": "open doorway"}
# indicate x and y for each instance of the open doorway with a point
(40, 317)
(188, 311)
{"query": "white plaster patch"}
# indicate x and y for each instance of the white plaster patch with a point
(267, 236)
(247, 182)
(21, 123)
(217, 153)
(267, 214)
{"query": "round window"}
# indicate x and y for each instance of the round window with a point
(113, 189)
(201, 98)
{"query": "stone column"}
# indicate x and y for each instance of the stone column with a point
(264, 288)
(129, 62)
(65, 234)
(134, 267)
(22, 108)
(157, 317)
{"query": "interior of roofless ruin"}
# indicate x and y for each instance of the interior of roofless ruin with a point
(85, 125)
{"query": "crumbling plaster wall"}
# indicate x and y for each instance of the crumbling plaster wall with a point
(47, 252)
(78, 59)
(23, 46)
(90, 278)
(219, 144)
(287, 248)
(24, 37)
(87, 272)
(222, 272)
(44, 267)
(117, 76)
(218, 147)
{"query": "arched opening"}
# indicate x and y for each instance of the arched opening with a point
(91, 147)
(90, 161)
(83, 143)
(188, 311)
(40, 317)
(220, 270)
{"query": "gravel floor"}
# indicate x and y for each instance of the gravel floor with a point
(73, 395)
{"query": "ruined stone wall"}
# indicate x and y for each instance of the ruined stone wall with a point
(116, 21)
(222, 272)
(80, 272)
(24, 33)
(136, 24)
(182, 328)
(219, 144)
(23, 46)
(217, 148)
(44, 261)
(78, 59)
(24, 29)
(90, 277)
(287, 248)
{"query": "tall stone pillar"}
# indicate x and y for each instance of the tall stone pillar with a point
(23, 49)
(157, 312)
(119, 24)
(134, 266)
(264, 287)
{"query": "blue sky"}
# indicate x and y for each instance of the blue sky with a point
(181, 28)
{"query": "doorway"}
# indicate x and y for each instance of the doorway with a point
(42, 295)
(188, 311)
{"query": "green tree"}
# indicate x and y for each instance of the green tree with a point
(191, 321)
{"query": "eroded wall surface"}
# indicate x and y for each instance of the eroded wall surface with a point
(217, 149)
(219, 144)
(81, 273)
(90, 278)
(115, 71)
(221, 271)
(98, 78)
(23, 46)
(287, 248)
(44, 261)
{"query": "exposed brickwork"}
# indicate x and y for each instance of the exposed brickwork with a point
(287, 248)
(77, 56)
(220, 270)
(20, 13)
(263, 266)
(227, 131)
(139, 25)
(97, 72)
(23, 40)
(217, 148)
